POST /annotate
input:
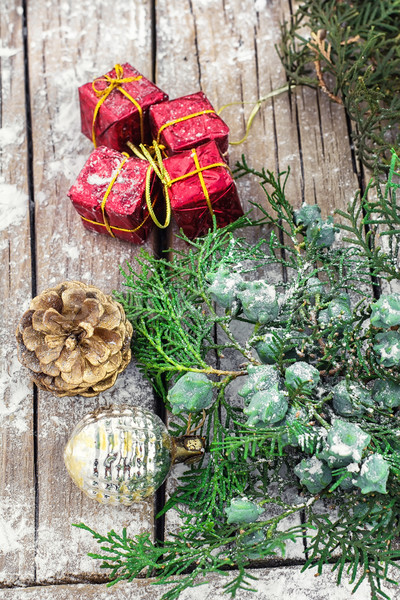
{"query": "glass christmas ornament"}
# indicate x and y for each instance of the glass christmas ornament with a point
(386, 311)
(243, 510)
(259, 302)
(122, 454)
(193, 392)
(314, 474)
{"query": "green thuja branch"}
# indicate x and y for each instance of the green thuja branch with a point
(349, 50)
(373, 225)
(278, 354)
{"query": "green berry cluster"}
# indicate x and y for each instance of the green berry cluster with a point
(319, 412)
(317, 231)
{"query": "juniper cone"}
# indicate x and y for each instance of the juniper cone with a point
(74, 340)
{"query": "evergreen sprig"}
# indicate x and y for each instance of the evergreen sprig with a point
(318, 369)
(374, 224)
(350, 50)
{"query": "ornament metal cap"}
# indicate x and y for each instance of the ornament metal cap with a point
(188, 449)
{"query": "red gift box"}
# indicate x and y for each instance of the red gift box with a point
(201, 185)
(114, 107)
(187, 122)
(109, 195)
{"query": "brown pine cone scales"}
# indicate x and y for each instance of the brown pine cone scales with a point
(74, 339)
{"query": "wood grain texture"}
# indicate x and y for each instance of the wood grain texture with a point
(227, 50)
(281, 583)
(69, 45)
(17, 494)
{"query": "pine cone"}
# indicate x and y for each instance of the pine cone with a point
(74, 339)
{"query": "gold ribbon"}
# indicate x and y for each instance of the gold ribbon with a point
(115, 84)
(180, 119)
(106, 222)
(255, 109)
(157, 165)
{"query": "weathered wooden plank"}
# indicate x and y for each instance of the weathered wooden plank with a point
(70, 45)
(214, 47)
(283, 583)
(227, 49)
(17, 493)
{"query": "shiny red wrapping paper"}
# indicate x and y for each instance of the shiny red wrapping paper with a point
(125, 207)
(188, 203)
(184, 135)
(118, 119)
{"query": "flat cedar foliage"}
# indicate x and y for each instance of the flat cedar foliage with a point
(351, 51)
(287, 464)
(180, 329)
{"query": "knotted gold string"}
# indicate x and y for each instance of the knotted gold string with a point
(106, 222)
(158, 167)
(255, 109)
(115, 84)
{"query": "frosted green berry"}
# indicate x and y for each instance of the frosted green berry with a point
(252, 539)
(307, 214)
(191, 393)
(302, 374)
(313, 474)
(225, 284)
(350, 399)
(242, 510)
(266, 347)
(347, 484)
(386, 311)
(268, 406)
(259, 378)
(387, 348)
(259, 302)
(344, 444)
(338, 312)
(373, 475)
(373, 514)
(314, 286)
(322, 233)
(340, 308)
(386, 393)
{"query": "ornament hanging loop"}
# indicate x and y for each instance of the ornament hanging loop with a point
(199, 426)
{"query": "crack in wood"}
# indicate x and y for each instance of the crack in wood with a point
(196, 43)
(32, 225)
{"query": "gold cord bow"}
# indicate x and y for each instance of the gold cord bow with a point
(115, 83)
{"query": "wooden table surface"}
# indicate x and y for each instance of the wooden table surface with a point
(223, 47)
